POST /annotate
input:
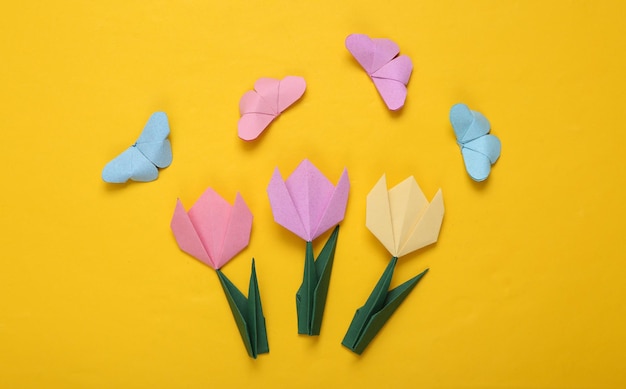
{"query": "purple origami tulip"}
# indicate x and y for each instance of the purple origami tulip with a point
(212, 231)
(307, 203)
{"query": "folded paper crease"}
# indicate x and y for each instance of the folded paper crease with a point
(380, 305)
(402, 218)
(212, 231)
(479, 149)
(307, 203)
(248, 313)
(270, 97)
(312, 294)
(389, 72)
(140, 161)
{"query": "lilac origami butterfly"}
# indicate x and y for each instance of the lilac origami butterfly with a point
(389, 72)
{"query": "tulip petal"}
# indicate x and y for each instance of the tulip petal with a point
(378, 215)
(336, 208)
(283, 208)
(408, 203)
(426, 230)
(237, 234)
(310, 192)
(187, 237)
(210, 215)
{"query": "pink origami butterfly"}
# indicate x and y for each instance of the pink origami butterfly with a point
(389, 73)
(269, 98)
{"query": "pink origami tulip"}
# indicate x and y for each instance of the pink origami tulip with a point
(212, 231)
(307, 203)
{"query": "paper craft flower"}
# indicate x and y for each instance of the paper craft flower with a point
(308, 204)
(213, 232)
(401, 218)
(404, 221)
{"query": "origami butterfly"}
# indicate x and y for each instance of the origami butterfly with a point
(140, 161)
(479, 150)
(389, 73)
(269, 98)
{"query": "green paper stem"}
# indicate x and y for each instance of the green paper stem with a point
(380, 305)
(311, 296)
(248, 313)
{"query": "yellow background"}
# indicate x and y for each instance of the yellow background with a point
(526, 288)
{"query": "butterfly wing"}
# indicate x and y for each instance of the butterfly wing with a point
(256, 114)
(488, 145)
(461, 118)
(467, 124)
(260, 107)
(371, 54)
(477, 164)
(131, 164)
(291, 89)
(251, 125)
(267, 90)
(391, 81)
(479, 149)
(479, 155)
(153, 142)
(389, 74)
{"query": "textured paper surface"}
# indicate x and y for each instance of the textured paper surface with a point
(140, 161)
(307, 203)
(479, 149)
(212, 231)
(389, 72)
(270, 97)
(311, 297)
(248, 313)
(380, 305)
(401, 218)
(526, 285)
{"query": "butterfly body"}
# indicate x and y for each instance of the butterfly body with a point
(140, 161)
(270, 97)
(389, 72)
(480, 150)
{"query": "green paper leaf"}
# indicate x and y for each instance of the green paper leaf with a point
(304, 300)
(248, 313)
(380, 305)
(312, 294)
(258, 337)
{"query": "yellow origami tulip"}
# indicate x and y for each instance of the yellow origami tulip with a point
(401, 218)
(404, 221)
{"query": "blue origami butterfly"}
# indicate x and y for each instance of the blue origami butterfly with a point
(479, 150)
(140, 161)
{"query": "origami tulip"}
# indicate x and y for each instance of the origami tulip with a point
(403, 221)
(213, 232)
(308, 205)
